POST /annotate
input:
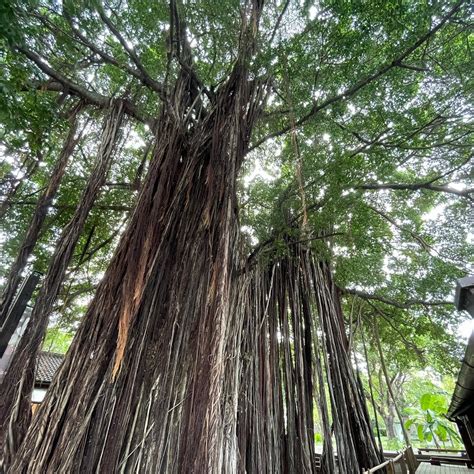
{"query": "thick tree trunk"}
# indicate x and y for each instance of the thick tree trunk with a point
(36, 224)
(145, 386)
(15, 391)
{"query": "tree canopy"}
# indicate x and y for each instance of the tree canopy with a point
(376, 97)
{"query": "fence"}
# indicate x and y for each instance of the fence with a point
(404, 463)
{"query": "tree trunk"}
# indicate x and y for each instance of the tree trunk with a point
(11, 186)
(36, 223)
(15, 391)
(394, 404)
(145, 386)
(389, 421)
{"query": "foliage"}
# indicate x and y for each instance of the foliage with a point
(57, 340)
(430, 421)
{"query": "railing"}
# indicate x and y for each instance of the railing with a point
(405, 460)
(436, 456)
(461, 452)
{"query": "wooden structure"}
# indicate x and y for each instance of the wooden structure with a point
(461, 409)
(444, 456)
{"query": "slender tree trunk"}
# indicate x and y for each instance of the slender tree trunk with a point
(371, 388)
(406, 437)
(145, 386)
(36, 224)
(14, 185)
(15, 391)
(389, 421)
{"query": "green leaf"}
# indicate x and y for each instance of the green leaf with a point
(420, 432)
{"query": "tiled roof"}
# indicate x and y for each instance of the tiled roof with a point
(47, 364)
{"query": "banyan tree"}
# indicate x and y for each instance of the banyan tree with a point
(218, 330)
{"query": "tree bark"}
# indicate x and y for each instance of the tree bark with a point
(15, 391)
(36, 224)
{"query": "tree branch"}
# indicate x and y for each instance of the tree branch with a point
(259, 248)
(397, 304)
(70, 87)
(105, 207)
(392, 221)
(408, 344)
(143, 73)
(443, 188)
(280, 18)
(139, 74)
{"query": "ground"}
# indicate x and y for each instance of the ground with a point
(426, 468)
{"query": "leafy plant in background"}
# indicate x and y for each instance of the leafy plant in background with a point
(430, 421)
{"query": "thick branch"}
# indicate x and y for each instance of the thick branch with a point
(143, 73)
(70, 87)
(443, 188)
(401, 305)
(139, 74)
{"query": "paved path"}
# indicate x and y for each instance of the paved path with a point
(426, 468)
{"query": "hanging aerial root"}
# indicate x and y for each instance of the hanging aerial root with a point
(295, 357)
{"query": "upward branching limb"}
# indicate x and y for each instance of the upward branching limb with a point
(142, 73)
(144, 78)
(278, 22)
(99, 55)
